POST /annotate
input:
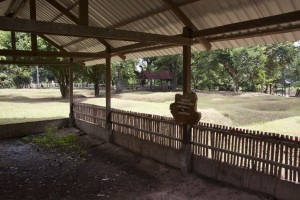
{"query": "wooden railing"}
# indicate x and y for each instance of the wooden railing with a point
(268, 153)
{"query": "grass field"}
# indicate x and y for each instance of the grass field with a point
(248, 110)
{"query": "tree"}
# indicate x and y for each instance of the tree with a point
(12, 75)
(292, 71)
(279, 56)
(171, 63)
(206, 74)
(124, 73)
(61, 73)
(93, 74)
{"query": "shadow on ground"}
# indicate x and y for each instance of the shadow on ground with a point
(28, 171)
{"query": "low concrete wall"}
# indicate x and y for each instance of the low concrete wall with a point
(157, 152)
(91, 129)
(29, 128)
(245, 178)
(240, 177)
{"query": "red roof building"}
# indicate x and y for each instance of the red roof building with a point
(163, 75)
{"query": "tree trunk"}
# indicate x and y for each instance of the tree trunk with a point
(234, 75)
(96, 88)
(174, 81)
(64, 90)
(96, 79)
(119, 86)
(236, 85)
(63, 82)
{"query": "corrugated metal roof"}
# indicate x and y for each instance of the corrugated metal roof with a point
(153, 17)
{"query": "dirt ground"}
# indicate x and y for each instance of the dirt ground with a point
(28, 171)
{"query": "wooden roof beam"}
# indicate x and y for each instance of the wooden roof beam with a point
(186, 21)
(42, 27)
(32, 5)
(67, 9)
(83, 12)
(255, 33)
(63, 10)
(33, 62)
(251, 24)
(51, 54)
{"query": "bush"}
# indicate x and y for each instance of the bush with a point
(295, 84)
(51, 140)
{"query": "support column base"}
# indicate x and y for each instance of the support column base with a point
(185, 159)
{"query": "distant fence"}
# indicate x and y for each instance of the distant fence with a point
(268, 153)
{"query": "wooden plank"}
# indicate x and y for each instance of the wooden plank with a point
(291, 158)
(280, 158)
(296, 160)
(286, 160)
(51, 28)
(272, 156)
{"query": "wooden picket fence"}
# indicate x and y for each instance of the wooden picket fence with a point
(90, 113)
(268, 153)
(152, 128)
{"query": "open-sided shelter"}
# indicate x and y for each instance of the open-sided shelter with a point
(103, 31)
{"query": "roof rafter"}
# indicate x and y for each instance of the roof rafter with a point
(149, 14)
(67, 13)
(41, 27)
(186, 21)
(62, 14)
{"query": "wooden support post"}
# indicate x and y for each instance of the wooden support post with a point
(13, 42)
(108, 99)
(83, 12)
(186, 153)
(33, 17)
(71, 114)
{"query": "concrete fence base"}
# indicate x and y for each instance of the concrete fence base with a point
(29, 128)
(91, 129)
(244, 178)
(280, 189)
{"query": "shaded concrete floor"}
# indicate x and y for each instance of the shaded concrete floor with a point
(28, 171)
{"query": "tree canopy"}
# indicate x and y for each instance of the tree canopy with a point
(238, 69)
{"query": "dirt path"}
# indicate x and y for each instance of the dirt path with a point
(109, 172)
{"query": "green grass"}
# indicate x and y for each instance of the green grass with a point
(249, 110)
(50, 139)
(25, 105)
